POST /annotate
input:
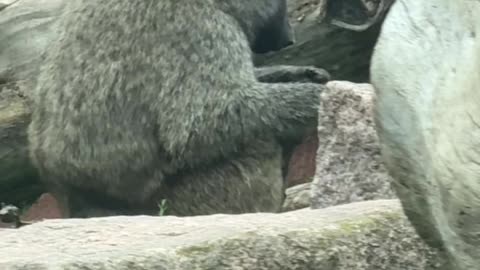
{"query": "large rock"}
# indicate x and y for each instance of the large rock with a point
(426, 70)
(349, 166)
(369, 235)
(17, 178)
(27, 28)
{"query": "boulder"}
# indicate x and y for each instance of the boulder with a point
(27, 27)
(360, 236)
(426, 74)
(18, 181)
(349, 166)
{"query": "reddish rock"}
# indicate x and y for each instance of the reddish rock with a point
(46, 207)
(301, 167)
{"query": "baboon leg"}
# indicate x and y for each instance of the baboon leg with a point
(285, 74)
(290, 73)
(79, 203)
(90, 210)
(243, 185)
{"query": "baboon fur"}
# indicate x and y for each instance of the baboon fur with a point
(140, 101)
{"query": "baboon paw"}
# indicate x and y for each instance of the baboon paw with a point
(315, 75)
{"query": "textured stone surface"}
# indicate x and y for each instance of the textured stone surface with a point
(426, 73)
(349, 166)
(301, 167)
(27, 28)
(297, 197)
(367, 235)
(45, 207)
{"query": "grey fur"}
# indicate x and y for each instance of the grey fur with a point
(144, 100)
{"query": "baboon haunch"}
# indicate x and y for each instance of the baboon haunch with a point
(144, 100)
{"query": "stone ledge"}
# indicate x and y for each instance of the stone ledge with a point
(364, 235)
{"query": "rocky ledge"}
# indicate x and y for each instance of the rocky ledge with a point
(362, 235)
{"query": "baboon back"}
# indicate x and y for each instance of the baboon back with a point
(141, 100)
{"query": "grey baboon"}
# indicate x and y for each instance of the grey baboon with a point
(140, 101)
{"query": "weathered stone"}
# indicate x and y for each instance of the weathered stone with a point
(46, 207)
(297, 197)
(17, 178)
(426, 72)
(27, 27)
(360, 236)
(349, 166)
(301, 167)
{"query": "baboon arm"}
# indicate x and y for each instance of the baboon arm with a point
(226, 121)
(287, 108)
(290, 73)
(273, 74)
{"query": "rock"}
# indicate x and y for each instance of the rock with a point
(361, 236)
(9, 216)
(349, 166)
(297, 197)
(27, 29)
(46, 207)
(18, 183)
(426, 74)
(301, 167)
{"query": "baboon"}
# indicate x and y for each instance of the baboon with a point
(140, 101)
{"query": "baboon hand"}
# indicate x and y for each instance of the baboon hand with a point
(290, 73)
(311, 74)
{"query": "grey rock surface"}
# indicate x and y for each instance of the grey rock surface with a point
(426, 73)
(297, 197)
(366, 235)
(349, 166)
(26, 29)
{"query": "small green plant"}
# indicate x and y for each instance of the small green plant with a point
(163, 207)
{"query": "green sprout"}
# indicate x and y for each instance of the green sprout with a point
(163, 207)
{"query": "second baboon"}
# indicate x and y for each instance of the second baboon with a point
(140, 101)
